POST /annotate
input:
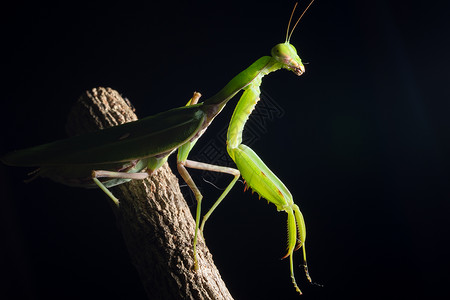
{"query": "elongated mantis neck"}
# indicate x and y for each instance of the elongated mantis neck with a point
(252, 74)
(247, 103)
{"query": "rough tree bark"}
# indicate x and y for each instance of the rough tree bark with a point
(155, 221)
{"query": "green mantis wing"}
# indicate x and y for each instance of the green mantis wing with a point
(152, 136)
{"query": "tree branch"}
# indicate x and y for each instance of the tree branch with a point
(155, 220)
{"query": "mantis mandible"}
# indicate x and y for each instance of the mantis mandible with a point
(135, 150)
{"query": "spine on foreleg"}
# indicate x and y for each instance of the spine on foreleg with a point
(259, 177)
(243, 109)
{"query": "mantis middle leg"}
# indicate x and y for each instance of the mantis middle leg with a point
(182, 164)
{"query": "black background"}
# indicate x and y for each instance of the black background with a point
(363, 144)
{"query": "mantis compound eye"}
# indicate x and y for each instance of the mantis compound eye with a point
(287, 55)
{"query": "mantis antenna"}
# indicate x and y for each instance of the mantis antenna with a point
(288, 36)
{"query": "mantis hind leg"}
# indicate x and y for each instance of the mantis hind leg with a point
(106, 191)
(137, 172)
(114, 175)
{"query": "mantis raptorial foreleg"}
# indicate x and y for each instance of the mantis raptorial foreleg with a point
(256, 174)
(260, 178)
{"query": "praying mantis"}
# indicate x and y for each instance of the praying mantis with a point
(135, 150)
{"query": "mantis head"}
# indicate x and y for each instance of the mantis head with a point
(285, 53)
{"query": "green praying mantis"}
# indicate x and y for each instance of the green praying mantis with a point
(135, 150)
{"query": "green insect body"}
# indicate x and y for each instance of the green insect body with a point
(71, 161)
(135, 150)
